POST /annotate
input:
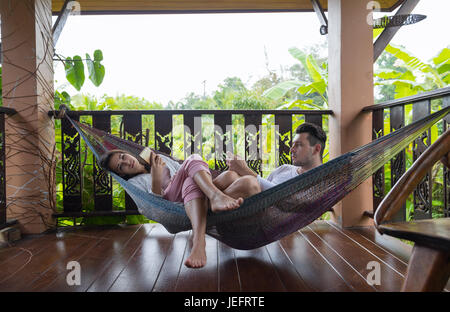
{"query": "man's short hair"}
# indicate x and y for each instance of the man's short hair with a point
(316, 135)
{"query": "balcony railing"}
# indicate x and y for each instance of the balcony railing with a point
(218, 130)
(222, 130)
(434, 189)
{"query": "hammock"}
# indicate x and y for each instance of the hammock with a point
(279, 211)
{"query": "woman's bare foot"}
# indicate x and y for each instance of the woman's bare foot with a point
(221, 202)
(197, 258)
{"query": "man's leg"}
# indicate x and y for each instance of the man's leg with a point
(224, 180)
(244, 187)
(198, 170)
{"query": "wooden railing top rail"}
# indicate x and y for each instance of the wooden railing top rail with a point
(195, 111)
(435, 94)
(7, 111)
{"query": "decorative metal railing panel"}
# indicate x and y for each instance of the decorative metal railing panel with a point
(156, 128)
(433, 193)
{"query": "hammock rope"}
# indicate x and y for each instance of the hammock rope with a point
(279, 211)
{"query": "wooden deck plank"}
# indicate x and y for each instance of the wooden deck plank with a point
(312, 266)
(94, 261)
(334, 257)
(17, 255)
(59, 269)
(11, 250)
(170, 271)
(319, 257)
(382, 254)
(56, 253)
(110, 273)
(390, 244)
(229, 279)
(285, 269)
(250, 265)
(358, 258)
(200, 280)
(142, 270)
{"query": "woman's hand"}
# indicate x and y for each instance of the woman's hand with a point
(157, 167)
(157, 163)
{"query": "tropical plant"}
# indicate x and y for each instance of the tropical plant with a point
(411, 75)
(74, 68)
(315, 85)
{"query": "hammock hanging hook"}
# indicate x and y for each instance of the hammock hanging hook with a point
(59, 114)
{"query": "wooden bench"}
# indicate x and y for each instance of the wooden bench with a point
(429, 265)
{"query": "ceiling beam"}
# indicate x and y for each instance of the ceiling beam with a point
(389, 32)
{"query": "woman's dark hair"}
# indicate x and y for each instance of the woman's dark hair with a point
(106, 157)
(316, 135)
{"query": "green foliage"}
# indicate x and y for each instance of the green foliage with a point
(75, 71)
(74, 68)
(409, 75)
(95, 68)
(316, 84)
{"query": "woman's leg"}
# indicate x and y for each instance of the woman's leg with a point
(196, 210)
(198, 170)
(218, 200)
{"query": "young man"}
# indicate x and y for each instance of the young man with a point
(306, 151)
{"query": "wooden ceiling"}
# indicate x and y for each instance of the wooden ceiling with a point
(200, 6)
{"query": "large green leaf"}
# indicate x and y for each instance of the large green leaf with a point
(279, 90)
(95, 68)
(387, 73)
(313, 69)
(442, 58)
(442, 62)
(298, 54)
(75, 71)
(300, 104)
(307, 89)
(411, 62)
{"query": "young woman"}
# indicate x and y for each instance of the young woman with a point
(189, 183)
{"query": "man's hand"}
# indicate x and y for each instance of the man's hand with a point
(238, 165)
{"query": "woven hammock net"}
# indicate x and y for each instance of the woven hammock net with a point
(279, 211)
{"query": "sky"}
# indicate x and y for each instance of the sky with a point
(165, 57)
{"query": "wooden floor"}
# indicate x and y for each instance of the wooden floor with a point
(320, 257)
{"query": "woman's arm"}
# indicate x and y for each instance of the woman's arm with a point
(157, 172)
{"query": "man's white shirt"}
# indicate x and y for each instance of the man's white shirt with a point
(279, 175)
